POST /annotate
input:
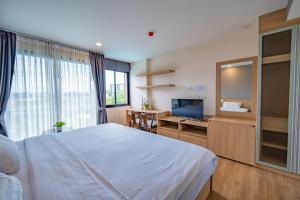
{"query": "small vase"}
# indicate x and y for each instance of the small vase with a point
(59, 129)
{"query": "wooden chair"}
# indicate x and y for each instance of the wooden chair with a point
(148, 122)
(135, 120)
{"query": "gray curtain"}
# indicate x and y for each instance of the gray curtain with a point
(7, 62)
(98, 70)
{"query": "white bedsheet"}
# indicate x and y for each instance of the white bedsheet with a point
(111, 161)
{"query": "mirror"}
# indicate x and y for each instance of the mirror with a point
(236, 86)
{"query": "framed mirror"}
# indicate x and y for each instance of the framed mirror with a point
(236, 88)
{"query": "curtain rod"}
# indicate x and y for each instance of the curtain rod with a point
(48, 40)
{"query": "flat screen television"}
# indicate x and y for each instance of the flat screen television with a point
(189, 108)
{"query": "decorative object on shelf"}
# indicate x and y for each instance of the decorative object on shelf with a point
(58, 126)
(200, 89)
(146, 105)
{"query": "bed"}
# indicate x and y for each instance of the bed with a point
(112, 161)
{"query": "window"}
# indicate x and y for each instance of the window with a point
(117, 89)
(45, 90)
(78, 95)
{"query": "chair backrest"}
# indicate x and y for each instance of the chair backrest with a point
(133, 119)
(144, 119)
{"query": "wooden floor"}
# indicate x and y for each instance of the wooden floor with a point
(234, 180)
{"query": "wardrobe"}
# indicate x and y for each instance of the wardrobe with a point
(278, 109)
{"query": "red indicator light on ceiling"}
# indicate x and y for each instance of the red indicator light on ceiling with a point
(151, 33)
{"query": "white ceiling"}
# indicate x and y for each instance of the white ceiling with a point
(122, 25)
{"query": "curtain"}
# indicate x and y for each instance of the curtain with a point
(51, 83)
(295, 112)
(77, 95)
(7, 60)
(98, 70)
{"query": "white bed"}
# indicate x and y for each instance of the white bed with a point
(111, 161)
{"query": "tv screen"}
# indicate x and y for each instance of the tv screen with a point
(189, 108)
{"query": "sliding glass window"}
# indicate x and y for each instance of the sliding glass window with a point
(47, 88)
(117, 88)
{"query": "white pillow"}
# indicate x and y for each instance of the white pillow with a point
(10, 188)
(9, 156)
(229, 104)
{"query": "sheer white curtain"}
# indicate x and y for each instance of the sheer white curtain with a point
(51, 83)
(77, 95)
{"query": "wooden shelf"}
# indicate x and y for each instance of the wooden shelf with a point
(276, 146)
(167, 71)
(172, 119)
(273, 160)
(194, 132)
(276, 59)
(172, 127)
(191, 131)
(274, 124)
(156, 86)
(195, 123)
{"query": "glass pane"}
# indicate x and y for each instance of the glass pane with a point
(110, 87)
(236, 86)
(32, 103)
(43, 93)
(78, 95)
(121, 87)
(277, 43)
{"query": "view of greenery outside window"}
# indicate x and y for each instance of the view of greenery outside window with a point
(116, 88)
(110, 88)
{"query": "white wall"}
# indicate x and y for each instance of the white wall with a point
(136, 95)
(195, 69)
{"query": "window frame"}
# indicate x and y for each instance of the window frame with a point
(115, 91)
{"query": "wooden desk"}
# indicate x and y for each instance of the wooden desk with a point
(156, 113)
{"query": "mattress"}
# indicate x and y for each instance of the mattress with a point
(112, 161)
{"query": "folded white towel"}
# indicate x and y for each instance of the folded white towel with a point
(229, 104)
(234, 109)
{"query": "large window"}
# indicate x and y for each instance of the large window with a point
(116, 88)
(47, 89)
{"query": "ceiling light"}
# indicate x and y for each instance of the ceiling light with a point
(98, 44)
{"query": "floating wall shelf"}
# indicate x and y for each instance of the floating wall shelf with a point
(156, 86)
(167, 71)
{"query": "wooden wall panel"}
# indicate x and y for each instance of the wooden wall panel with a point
(275, 20)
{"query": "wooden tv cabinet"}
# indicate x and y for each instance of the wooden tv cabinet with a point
(226, 137)
(192, 131)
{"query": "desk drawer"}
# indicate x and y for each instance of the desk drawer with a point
(193, 139)
(167, 133)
